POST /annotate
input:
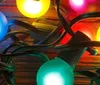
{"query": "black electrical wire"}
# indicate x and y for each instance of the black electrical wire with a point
(19, 43)
(8, 77)
(87, 73)
(28, 52)
(50, 35)
(38, 47)
(42, 47)
(47, 46)
(23, 32)
(98, 71)
(17, 54)
(23, 24)
(9, 58)
(63, 21)
(43, 40)
(46, 20)
(84, 16)
(79, 44)
(10, 34)
(18, 32)
(13, 37)
(27, 26)
(92, 75)
(6, 67)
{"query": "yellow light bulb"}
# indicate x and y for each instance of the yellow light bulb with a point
(98, 35)
(33, 8)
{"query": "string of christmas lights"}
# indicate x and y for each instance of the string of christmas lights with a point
(63, 72)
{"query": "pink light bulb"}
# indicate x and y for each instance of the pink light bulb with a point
(78, 5)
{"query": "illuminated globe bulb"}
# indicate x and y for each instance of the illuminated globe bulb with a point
(55, 72)
(78, 5)
(33, 8)
(3, 26)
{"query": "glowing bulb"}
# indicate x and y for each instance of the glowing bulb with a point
(55, 72)
(3, 26)
(33, 8)
(78, 2)
(78, 5)
(55, 77)
(84, 28)
(33, 5)
(98, 35)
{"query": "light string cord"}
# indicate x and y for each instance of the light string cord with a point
(93, 43)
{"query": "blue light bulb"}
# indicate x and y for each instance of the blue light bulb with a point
(55, 72)
(3, 26)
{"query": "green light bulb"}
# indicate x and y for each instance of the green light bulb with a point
(55, 72)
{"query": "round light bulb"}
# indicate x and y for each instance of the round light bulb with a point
(78, 5)
(55, 72)
(3, 26)
(55, 77)
(33, 8)
(78, 2)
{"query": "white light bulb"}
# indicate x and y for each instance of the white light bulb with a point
(53, 78)
(32, 7)
(78, 2)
